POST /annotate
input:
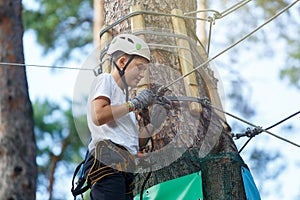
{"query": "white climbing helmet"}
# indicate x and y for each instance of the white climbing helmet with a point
(129, 44)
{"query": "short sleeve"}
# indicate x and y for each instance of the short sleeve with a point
(101, 87)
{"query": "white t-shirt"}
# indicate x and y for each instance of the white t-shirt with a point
(122, 131)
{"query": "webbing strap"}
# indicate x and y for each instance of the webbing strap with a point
(122, 72)
(78, 189)
(100, 173)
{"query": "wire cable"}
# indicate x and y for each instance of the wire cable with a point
(206, 102)
(285, 119)
(42, 66)
(253, 125)
(232, 45)
(269, 128)
(217, 15)
(232, 9)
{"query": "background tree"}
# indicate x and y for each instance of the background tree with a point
(252, 13)
(70, 25)
(59, 146)
(17, 144)
(286, 26)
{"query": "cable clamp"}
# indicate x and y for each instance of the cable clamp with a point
(248, 133)
(205, 101)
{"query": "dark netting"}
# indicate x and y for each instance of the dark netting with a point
(222, 176)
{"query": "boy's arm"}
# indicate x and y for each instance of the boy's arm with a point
(103, 112)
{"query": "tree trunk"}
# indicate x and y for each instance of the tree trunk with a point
(199, 139)
(18, 169)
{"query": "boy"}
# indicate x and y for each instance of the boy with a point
(112, 123)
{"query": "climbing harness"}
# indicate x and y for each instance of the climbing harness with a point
(95, 166)
(81, 185)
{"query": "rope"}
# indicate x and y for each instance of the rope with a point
(233, 45)
(245, 145)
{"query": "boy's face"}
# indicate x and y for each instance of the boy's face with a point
(135, 71)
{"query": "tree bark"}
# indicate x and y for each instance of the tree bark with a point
(202, 134)
(18, 169)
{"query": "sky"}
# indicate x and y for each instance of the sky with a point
(273, 99)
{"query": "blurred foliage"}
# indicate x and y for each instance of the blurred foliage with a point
(57, 140)
(292, 70)
(267, 166)
(262, 165)
(293, 74)
(288, 28)
(67, 26)
(63, 25)
(285, 28)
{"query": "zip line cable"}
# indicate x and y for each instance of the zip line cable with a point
(231, 46)
(232, 9)
(206, 102)
(285, 119)
(258, 127)
(217, 15)
(256, 133)
(218, 109)
(41, 66)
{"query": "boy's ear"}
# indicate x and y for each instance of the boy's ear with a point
(122, 61)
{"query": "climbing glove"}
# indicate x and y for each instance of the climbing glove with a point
(143, 99)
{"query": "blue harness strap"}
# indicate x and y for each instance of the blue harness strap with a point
(251, 190)
(80, 188)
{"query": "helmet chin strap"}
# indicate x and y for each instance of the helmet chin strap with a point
(122, 72)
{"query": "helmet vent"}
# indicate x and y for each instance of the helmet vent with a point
(130, 40)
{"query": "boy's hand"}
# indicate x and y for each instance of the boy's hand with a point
(143, 99)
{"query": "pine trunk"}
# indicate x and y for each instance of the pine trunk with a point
(207, 146)
(18, 170)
